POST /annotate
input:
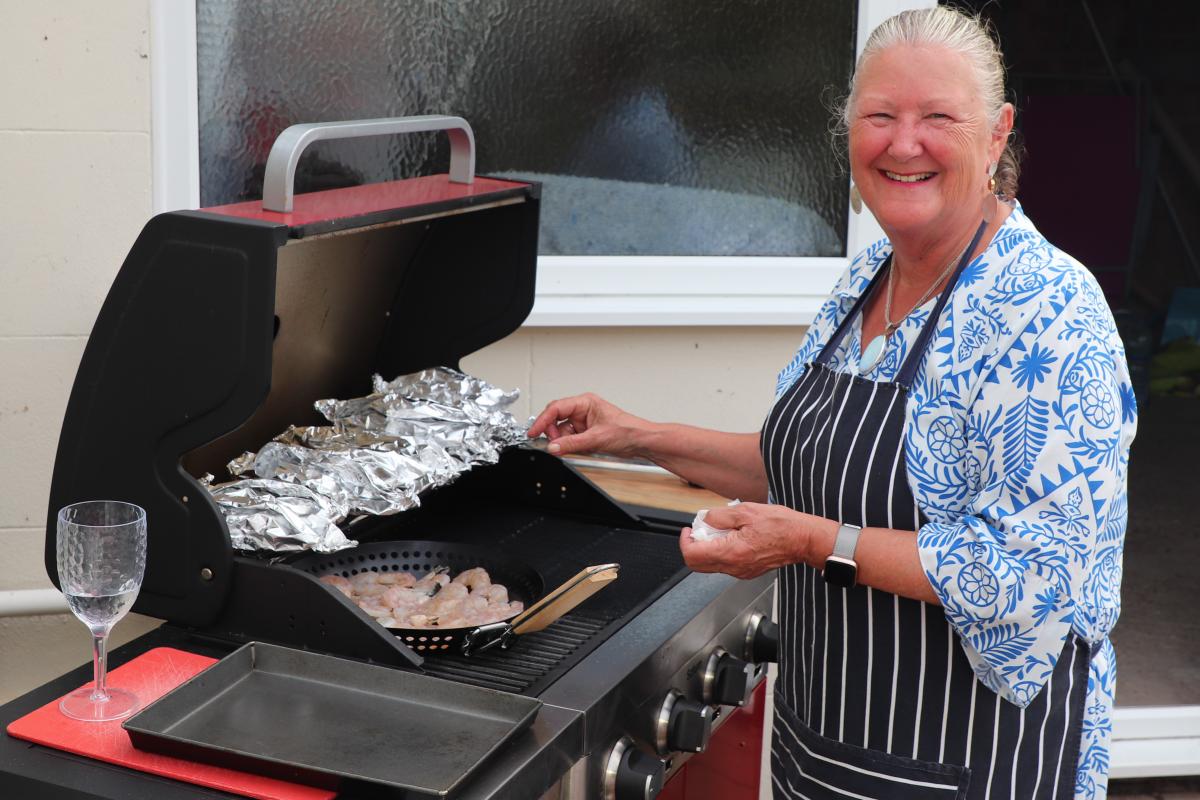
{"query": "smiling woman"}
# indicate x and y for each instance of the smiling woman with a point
(943, 505)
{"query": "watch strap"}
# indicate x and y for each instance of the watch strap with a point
(847, 541)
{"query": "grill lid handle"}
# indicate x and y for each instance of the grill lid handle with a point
(279, 180)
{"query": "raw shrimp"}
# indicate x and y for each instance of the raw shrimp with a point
(366, 584)
(476, 579)
(375, 607)
(448, 601)
(404, 579)
(434, 579)
(474, 604)
(399, 599)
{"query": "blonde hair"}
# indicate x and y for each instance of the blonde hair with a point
(944, 26)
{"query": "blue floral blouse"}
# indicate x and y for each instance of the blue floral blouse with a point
(1017, 443)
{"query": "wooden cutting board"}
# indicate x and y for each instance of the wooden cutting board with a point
(150, 676)
(653, 490)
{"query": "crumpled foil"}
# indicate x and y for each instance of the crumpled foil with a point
(364, 480)
(279, 516)
(380, 452)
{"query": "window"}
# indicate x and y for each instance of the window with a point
(683, 148)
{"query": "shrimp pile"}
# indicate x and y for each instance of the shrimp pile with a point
(402, 600)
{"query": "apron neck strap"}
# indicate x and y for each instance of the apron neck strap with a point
(916, 354)
(840, 332)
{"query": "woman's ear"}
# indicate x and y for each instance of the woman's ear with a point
(1003, 129)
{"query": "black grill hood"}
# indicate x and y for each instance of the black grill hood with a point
(224, 325)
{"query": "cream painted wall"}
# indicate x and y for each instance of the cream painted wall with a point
(75, 161)
(75, 156)
(720, 378)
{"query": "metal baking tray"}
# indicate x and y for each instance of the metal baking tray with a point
(327, 721)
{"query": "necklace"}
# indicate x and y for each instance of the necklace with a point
(872, 354)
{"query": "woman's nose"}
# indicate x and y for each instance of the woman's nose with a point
(905, 142)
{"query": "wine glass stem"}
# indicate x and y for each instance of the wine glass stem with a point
(100, 665)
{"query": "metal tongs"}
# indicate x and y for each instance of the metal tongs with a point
(541, 614)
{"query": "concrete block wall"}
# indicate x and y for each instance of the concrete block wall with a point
(75, 190)
(717, 377)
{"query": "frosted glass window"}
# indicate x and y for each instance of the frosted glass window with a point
(658, 127)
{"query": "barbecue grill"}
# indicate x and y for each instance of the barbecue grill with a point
(223, 327)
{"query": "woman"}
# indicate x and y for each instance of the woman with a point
(941, 482)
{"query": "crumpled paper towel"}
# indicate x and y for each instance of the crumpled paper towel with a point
(703, 532)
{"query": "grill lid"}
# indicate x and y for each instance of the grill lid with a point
(224, 325)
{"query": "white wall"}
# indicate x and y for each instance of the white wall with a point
(75, 161)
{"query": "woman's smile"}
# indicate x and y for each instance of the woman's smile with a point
(912, 177)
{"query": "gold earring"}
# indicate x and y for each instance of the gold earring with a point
(991, 185)
(855, 199)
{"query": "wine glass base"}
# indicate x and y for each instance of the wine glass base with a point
(80, 705)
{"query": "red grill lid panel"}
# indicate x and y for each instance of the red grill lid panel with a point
(359, 201)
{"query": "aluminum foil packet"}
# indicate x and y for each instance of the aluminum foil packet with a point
(364, 480)
(279, 516)
(380, 452)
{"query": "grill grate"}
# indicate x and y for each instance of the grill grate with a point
(558, 548)
(528, 665)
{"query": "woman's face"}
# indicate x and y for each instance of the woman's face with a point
(920, 142)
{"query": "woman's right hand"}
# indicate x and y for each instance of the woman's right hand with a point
(587, 423)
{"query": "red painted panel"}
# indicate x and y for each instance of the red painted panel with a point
(731, 766)
(354, 201)
(676, 788)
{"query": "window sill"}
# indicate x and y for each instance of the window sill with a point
(584, 291)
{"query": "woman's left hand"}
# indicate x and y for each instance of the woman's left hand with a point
(763, 538)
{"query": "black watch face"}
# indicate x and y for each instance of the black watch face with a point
(840, 573)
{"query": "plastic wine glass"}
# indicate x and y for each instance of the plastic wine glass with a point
(101, 559)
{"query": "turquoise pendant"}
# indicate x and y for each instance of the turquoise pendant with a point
(872, 354)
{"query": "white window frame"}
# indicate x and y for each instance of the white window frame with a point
(571, 290)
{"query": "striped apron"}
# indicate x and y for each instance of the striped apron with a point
(875, 697)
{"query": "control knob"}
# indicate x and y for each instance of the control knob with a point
(631, 774)
(683, 725)
(728, 681)
(762, 640)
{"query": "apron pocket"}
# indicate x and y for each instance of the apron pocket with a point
(805, 764)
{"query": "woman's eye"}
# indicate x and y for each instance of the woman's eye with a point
(879, 115)
(937, 115)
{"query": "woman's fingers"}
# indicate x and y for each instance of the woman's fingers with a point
(583, 442)
(559, 411)
(715, 555)
(726, 518)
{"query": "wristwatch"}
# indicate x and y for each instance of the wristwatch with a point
(840, 568)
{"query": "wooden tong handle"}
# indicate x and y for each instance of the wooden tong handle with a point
(570, 594)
